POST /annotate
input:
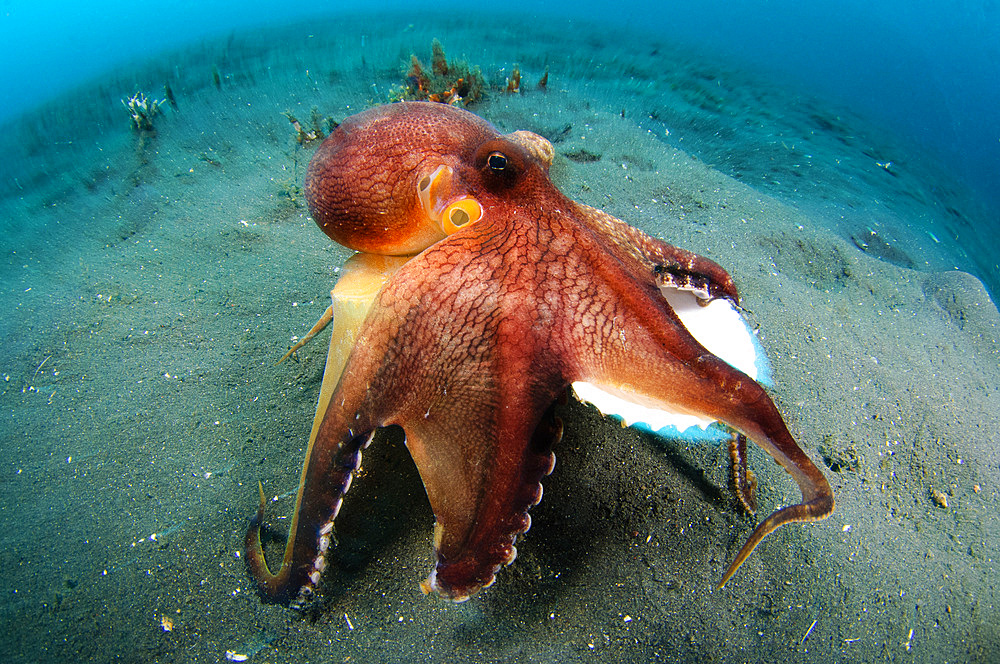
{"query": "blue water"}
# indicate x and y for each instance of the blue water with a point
(927, 69)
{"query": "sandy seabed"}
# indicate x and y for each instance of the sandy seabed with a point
(151, 281)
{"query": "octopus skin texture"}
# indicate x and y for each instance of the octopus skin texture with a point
(500, 292)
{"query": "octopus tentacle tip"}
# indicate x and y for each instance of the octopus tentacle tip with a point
(816, 509)
(473, 329)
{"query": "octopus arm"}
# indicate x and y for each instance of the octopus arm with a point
(654, 261)
(476, 423)
(650, 358)
(481, 478)
(332, 457)
(326, 477)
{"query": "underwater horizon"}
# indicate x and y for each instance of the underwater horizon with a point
(925, 70)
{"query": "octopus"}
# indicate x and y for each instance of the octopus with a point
(479, 296)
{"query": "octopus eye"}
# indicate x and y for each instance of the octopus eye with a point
(497, 161)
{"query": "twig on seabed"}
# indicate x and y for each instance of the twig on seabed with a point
(40, 366)
(809, 631)
(31, 383)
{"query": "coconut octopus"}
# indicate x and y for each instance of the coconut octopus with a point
(481, 294)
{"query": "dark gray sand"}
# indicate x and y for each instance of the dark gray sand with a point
(150, 284)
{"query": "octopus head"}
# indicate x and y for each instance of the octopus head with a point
(397, 179)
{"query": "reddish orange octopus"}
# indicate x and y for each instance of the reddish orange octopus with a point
(507, 293)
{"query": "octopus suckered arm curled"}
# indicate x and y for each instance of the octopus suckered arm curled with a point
(480, 294)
